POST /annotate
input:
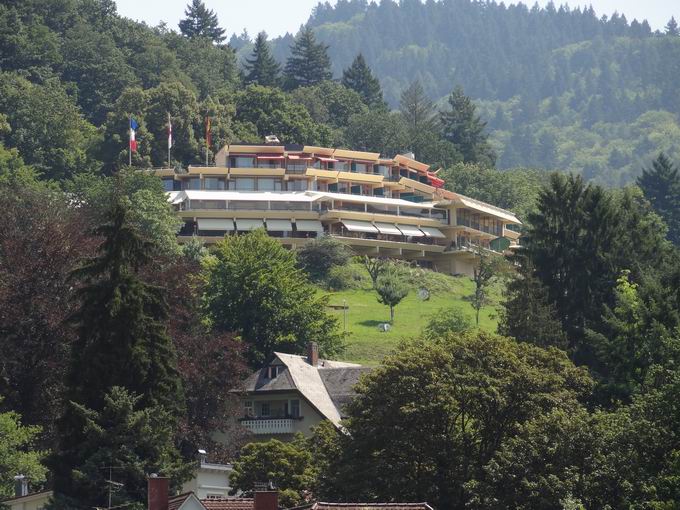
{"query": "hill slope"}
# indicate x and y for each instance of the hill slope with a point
(561, 88)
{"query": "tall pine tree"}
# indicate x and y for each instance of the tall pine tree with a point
(308, 63)
(465, 130)
(201, 22)
(262, 68)
(359, 78)
(661, 186)
(122, 342)
(671, 27)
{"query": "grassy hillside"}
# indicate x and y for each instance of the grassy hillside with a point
(366, 344)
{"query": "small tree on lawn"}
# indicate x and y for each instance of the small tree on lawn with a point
(488, 267)
(391, 289)
(374, 267)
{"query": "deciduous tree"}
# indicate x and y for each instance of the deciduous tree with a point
(253, 288)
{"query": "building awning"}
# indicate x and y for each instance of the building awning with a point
(432, 232)
(244, 225)
(274, 225)
(387, 228)
(226, 224)
(411, 231)
(308, 226)
(275, 156)
(327, 160)
(303, 158)
(359, 226)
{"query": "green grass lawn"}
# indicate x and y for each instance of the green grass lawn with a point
(367, 345)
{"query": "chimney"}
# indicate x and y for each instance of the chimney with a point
(20, 486)
(266, 500)
(313, 353)
(158, 492)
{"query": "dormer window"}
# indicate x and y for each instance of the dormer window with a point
(273, 371)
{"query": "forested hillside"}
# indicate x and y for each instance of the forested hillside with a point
(561, 89)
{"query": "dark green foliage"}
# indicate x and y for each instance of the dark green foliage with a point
(46, 127)
(528, 315)
(359, 78)
(515, 190)
(446, 321)
(290, 466)
(671, 27)
(579, 240)
(121, 358)
(377, 131)
(661, 186)
(262, 68)
(271, 111)
(308, 63)
(486, 270)
(319, 256)
(255, 289)
(462, 127)
(122, 338)
(330, 103)
(427, 421)
(201, 22)
(133, 439)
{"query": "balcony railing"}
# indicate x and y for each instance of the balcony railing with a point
(270, 425)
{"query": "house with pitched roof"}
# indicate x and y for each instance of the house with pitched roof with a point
(294, 393)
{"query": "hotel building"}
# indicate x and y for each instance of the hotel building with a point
(380, 207)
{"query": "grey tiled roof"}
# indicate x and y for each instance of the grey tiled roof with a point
(328, 386)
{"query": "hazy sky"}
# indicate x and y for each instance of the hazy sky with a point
(277, 17)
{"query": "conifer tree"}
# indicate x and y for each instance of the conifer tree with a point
(262, 68)
(122, 342)
(359, 78)
(201, 22)
(671, 27)
(417, 109)
(527, 313)
(462, 127)
(308, 63)
(661, 186)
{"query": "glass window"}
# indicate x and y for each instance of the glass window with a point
(298, 185)
(264, 409)
(248, 408)
(193, 183)
(169, 184)
(214, 183)
(242, 162)
(295, 408)
(269, 184)
(244, 184)
(341, 166)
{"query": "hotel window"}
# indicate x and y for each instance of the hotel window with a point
(297, 167)
(168, 184)
(268, 163)
(361, 168)
(193, 183)
(241, 162)
(341, 166)
(269, 184)
(382, 170)
(243, 184)
(298, 185)
(214, 183)
(208, 204)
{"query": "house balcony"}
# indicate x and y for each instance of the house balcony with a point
(270, 425)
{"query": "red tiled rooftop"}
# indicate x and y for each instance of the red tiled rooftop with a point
(228, 504)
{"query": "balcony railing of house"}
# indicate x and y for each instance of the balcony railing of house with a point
(267, 425)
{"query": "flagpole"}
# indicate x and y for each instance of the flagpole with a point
(169, 138)
(130, 141)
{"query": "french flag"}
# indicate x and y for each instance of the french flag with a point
(133, 128)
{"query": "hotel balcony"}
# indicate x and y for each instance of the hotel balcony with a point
(270, 425)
